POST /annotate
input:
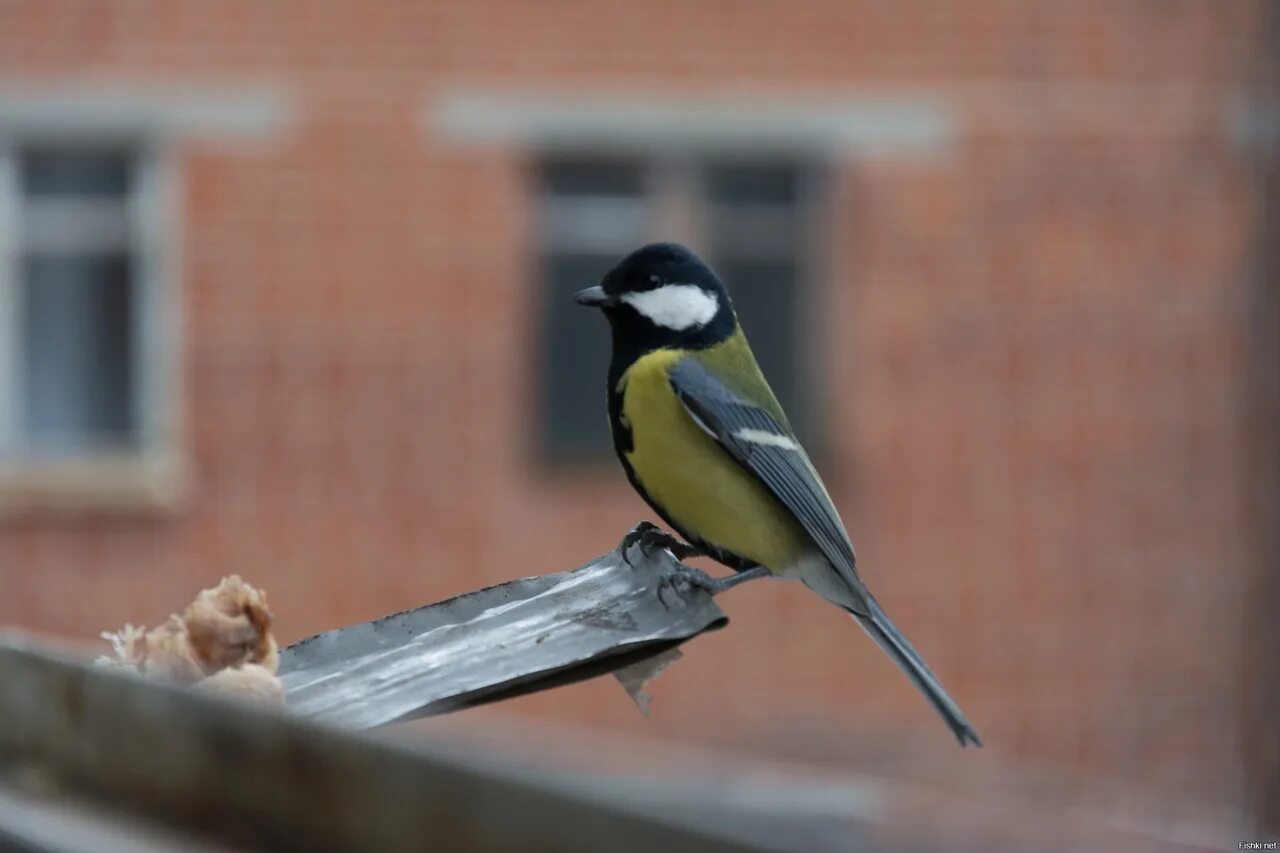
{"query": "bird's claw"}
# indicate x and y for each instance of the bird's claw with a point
(652, 538)
(684, 578)
(633, 536)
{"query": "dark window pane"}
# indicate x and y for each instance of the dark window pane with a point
(766, 238)
(575, 353)
(751, 231)
(754, 225)
(764, 294)
(592, 178)
(77, 321)
(754, 211)
(741, 185)
(68, 171)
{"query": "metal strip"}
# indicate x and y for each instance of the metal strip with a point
(514, 638)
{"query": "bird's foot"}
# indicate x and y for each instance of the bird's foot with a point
(681, 580)
(687, 578)
(633, 536)
(651, 538)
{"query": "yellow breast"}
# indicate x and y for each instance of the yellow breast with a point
(697, 483)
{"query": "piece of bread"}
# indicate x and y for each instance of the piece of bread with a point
(222, 643)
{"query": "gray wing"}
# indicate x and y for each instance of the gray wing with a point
(768, 450)
(772, 454)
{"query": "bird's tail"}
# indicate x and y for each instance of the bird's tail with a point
(889, 638)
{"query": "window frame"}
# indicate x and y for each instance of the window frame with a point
(674, 189)
(148, 476)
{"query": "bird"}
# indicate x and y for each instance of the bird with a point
(702, 438)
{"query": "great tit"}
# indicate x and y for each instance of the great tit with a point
(703, 440)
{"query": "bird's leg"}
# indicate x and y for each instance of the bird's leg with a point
(651, 538)
(689, 577)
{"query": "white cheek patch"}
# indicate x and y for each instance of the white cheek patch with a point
(770, 439)
(675, 306)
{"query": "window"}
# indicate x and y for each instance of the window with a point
(750, 219)
(83, 375)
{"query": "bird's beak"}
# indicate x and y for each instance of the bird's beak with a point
(593, 296)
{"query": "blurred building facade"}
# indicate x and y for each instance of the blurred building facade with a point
(284, 294)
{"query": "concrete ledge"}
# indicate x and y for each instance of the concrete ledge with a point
(226, 112)
(905, 125)
(260, 778)
(124, 483)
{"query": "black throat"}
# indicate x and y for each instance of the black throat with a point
(635, 337)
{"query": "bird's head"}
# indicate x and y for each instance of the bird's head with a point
(663, 295)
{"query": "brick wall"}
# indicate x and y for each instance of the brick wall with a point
(1034, 341)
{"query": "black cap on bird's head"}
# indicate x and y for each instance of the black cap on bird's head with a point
(663, 295)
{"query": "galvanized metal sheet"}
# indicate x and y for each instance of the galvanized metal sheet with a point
(517, 637)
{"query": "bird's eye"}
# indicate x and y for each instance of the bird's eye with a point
(654, 279)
